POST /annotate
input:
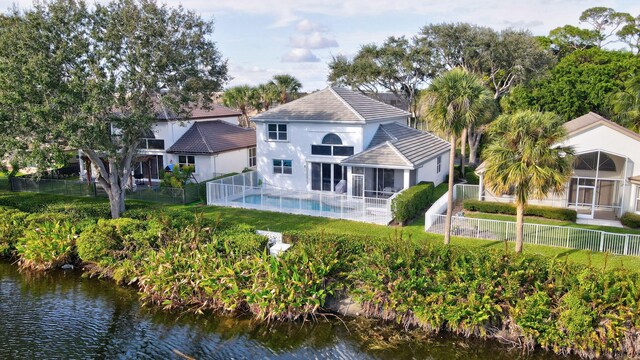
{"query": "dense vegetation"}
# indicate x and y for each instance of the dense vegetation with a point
(179, 260)
(495, 207)
(412, 202)
(631, 220)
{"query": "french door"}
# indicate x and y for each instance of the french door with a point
(325, 176)
(585, 198)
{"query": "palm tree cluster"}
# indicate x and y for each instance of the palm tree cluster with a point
(626, 104)
(281, 89)
(523, 156)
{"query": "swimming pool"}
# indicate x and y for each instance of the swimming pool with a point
(288, 202)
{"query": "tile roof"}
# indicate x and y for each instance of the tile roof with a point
(212, 137)
(395, 144)
(333, 104)
(198, 112)
(592, 119)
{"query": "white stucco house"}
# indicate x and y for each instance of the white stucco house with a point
(606, 176)
(342, 142)
(210, 140)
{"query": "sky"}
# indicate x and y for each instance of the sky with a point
(261, 38)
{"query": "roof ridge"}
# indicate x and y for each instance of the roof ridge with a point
(204, 139)
(388, 133)
(332, 90)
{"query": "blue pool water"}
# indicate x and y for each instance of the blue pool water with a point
(291, 203)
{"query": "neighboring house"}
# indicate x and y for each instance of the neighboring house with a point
(606, 176)
(391, 99)
(210, 140)
(336, 140)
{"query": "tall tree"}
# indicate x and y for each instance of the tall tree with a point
(567, 39)
(399, 66)
(267, 94)
(630, 34)
(626, 104)
(288, 87)
(74, 77)
(582, 81)
(244, 98)
(452, 101)
(524, 158)
(605, 22)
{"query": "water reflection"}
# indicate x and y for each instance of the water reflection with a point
(62, 315)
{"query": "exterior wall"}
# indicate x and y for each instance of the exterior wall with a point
(209, 166)
(428, 171)
(298, 149)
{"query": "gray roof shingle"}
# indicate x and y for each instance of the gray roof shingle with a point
(333, 104)
(197, 112)
(398, 145)
(212, 137)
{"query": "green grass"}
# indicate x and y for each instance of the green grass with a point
(274, 221)
(543, 221)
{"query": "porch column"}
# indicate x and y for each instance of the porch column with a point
(480, 187)
(81, 163)
(406, 179)
(349, 181)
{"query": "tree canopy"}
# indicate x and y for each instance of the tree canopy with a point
(94, 79)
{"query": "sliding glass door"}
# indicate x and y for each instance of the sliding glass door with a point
(325, 176)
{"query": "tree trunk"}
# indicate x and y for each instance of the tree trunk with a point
(452, 160)
(463, 152)
(474, 137)
(519, 227)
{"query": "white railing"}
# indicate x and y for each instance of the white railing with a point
(538, 234)
(460, 192)
(338, 206)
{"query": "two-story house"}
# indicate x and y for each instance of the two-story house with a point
(210, 140)
(336, 140)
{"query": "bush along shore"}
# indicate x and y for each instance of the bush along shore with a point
(180, 260)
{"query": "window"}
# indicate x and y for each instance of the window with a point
(438, 164)
(187, 160)
(152, 144)
(277, 132)
(281, 166)
(252, 157)
(331, 145)
(638, 199)
(588, 162)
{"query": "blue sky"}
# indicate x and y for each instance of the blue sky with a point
(261, 38)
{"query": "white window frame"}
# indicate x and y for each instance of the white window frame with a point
(281, 168)
(637, 199)
(253, 157)
(438, 164)
(187, 162)
(280, 135)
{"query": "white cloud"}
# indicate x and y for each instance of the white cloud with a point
(313, 41)
(300, 55)
(307, 26)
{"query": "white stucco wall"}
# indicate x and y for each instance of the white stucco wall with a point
(209, 165)
(428, 171)
(298, 149)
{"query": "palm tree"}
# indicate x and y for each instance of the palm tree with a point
(626, 104)
(287, 85)
(452, 101)
(524, 157)
(243, 98)
(267, 94)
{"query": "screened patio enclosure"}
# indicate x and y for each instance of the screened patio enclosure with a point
(596, 189)
(380, 182)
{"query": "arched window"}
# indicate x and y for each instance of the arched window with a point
(331, 139)
(331, 146)
(588, 162)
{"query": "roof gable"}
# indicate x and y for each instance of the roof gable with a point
(333, 104)
(592, 120)
(211, 137)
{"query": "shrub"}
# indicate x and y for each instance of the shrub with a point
(12, 226)
(410, 203)
(494, 207)
(631, 220)
(46, 245)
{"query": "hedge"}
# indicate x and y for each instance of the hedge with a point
(510, 209)
(631, 220)
(410, 203)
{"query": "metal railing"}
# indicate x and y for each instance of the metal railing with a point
(246, 191)
(461, 192)
(538, 234)
(159, 194)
